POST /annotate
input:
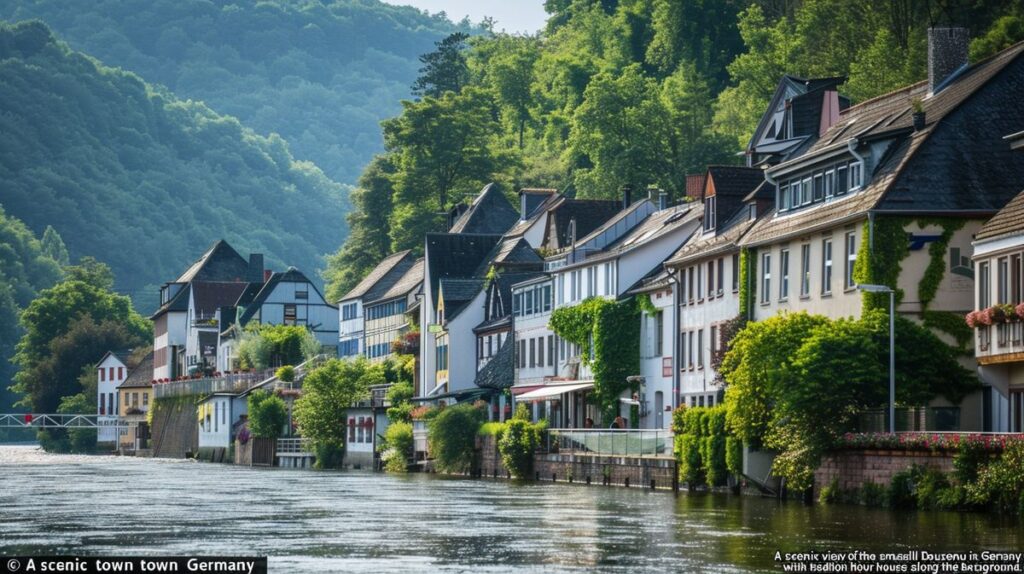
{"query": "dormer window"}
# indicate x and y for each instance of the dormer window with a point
(709, 213)
(820, 186)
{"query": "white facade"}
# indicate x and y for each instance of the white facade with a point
(454, 356)
(217, 416)
(110, 373)
(708, 298)
(656, 361)
(350, 328)
(169, 335)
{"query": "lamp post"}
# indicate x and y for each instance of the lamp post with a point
(892, 347)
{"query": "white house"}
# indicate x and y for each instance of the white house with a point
(111, 371)
(707, 280)
(351, 313)
(218, 416)
(656, 394)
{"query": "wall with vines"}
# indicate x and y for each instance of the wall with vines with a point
(608, 334)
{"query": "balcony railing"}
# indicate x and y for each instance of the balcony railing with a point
(617, 442)
(225, 383)
(294, 446)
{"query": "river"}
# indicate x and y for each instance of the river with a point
(310, 521)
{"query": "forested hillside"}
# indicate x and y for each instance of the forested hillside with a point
(127, 172)
(322, 74)
(638, 92)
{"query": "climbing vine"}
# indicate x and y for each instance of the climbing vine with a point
(881, 252)
(748, 289)
(608, 334)
(929, 284)
(643, 302)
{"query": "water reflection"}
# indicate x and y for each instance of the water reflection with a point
(326, 522)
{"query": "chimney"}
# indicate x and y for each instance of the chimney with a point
(947, 54)
(662, 199)
(627, 196)
(255, 268)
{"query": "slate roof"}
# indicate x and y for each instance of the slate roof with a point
(141, 376)
(457, 294)
(656, 280)
(498, 373)
(218, 263)
(510, 253)
(407, 283)
(962, 171)
(732, 186)
(455, 256)
(382, 277)
(589, 214)
(501, 287)
(119, 354)
(490, 212)
(524, 224)
(725, 240)
(654, 226)
(209, 296)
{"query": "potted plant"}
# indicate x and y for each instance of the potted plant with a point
(919, 115)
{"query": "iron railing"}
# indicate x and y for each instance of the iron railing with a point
(227, 383)
(618, 442)
(294, 446)
(64, 421)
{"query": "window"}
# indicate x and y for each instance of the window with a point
(289, 314)
(805, 270)
(829, 183)
(546, 298)
(103, 374)
(851, 259)
(721, 274)
(522, 353)
(783, 274)
(551, 350)
(591, 282)
(689, 282)
(110, 374)
(713, 342)
(351, 429)
(1003, 281)
(112, 404)
(842, 179)
(766, 277)
(529, 303)
(794, 194)
(559, 289)
(699, 270)
(348, 347)
(826, 266)
(533, 353)
(700, 348)
(540, 352)
(145, 399)
(783, 194)
(349, 311)
(709, 213)
(1015, 279)
(659, 334)
(126, 400)
(711, 278)
(135, 399)
(302, 294)
(819, 187)
(805, 192)
(689, 348)
(735, 272)
(984, 285)
(856, 179)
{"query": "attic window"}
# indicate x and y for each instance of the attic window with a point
(771, 132)
(709, 213)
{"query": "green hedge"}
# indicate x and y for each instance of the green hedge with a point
(702, 447)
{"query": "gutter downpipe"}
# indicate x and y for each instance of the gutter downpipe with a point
(676, 383)
(851, 145)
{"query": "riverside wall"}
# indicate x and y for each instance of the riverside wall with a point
(852, 468)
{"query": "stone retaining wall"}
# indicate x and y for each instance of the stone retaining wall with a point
(852, 468)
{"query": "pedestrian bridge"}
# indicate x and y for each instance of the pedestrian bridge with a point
(59, 421)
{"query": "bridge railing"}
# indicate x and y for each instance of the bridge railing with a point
(617, 442)
(294, 446)
(60, 420)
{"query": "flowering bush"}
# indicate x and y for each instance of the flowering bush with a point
(926, 441)
(995, 315)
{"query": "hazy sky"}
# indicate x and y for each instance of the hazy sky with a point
(509, 15)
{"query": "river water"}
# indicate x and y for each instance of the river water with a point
(310, 521)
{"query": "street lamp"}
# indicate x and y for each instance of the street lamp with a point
(892, 347)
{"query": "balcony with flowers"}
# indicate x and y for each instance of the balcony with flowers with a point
(999, 333)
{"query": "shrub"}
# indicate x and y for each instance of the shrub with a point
(830, 493)
(734, 455)
(492, 429)
(400, 397)
(901, 490)
(969, 459)
(517, 443)
(286, 374)
(329, 454)
(268, 414)
(452, 437)
(712, 451)
(398, 447)
(930, 483)
(872, 494)
(1000, 484)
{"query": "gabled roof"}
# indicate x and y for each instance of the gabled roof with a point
(955, 165)
(732, 186)
(455, 256)
(656, 280)
(550, 202)
(382, 277)
(498, 373)
(588, 213)
(724, 240)
(121, 355)
(218, 263)
(510, 253)
(653, 227)
(292, 275)
(489, 213)
(407, 283)
(457, 294)
(500, 288)
(1008, 222)
(141, 376)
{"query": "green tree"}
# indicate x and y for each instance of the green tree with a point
(444, 69)
(327, 393)
(265, 346)
(452, 437)
(400, 395)
(268, 414)
(91, 271)
(53, 246)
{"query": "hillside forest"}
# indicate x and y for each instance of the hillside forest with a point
(617, 92)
